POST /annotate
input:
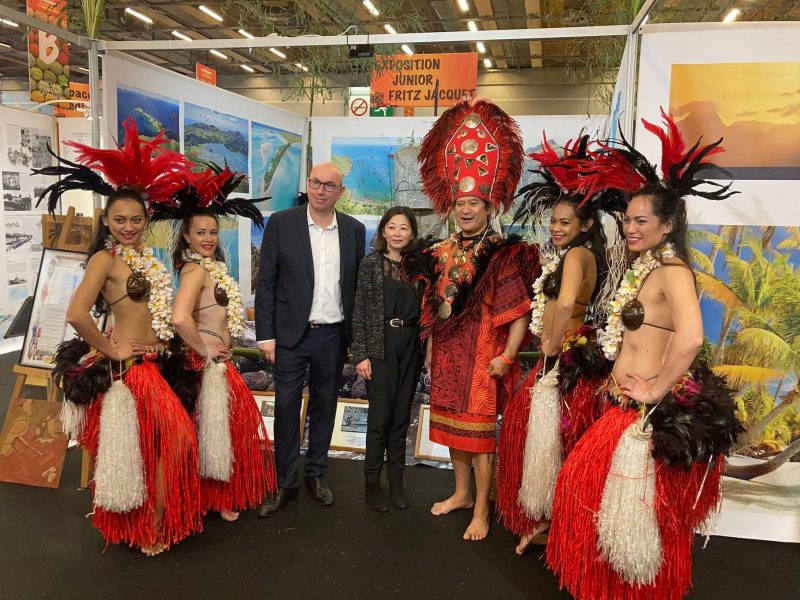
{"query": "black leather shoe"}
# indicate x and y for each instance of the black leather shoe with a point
(397, 494)
(319, 491)
(375, 498)
(272, 505)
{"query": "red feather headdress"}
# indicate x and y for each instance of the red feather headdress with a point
(141, 165)
(625, 170)
(473, 150)
(210, 190)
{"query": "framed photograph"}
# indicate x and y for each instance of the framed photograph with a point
(425, 448)
(60, 273)
(266, 405)
(350, 429)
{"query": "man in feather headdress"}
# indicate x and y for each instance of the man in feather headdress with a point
(476, 306)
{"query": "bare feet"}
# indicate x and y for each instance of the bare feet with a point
(478, 528)
(538, 537)
(228, 515)
(452, 503)
(524, 542)
(155, 549)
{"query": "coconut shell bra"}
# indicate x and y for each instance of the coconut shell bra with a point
(137, 288)
(632, 314)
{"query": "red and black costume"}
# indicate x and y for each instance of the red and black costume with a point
(237, 468)
(125, 414)
(476, 287)
(643, 479)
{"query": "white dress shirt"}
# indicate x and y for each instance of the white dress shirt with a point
(326, 304)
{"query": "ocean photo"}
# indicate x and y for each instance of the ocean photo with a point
(216, 137)
(151, 112)
(275, 166)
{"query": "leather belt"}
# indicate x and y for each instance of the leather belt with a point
(402, 322)
(313, 325)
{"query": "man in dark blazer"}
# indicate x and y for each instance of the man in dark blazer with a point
(304, 309)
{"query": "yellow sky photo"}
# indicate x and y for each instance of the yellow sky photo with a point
(754, 107)
(765, 92)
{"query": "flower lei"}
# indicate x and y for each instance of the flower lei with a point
(219, 273)
(610, 338)
(539, 299)
(159, 303)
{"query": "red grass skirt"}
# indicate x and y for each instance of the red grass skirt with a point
(167, 438)
(253, 474)
(572, 550)
(580, 408)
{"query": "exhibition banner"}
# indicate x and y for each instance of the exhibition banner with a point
(424, 79)
(205, 74)
(77, 107)
(48, 55)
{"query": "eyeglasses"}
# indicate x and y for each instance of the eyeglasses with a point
(328, 186)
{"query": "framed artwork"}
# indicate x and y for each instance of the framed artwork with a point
(266, 405)
(60, 272)
(425, 448)
(350, 425)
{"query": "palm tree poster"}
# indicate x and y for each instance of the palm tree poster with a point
(749, 287)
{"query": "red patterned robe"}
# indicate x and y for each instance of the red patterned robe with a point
(486, 287)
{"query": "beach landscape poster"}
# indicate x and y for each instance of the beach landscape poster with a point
(216, 137)
(256, 239)
(376, 175)
(275, 166)
(750, 299)
(151, 112)
(755, 107)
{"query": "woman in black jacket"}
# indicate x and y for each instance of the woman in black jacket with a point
(386, 351)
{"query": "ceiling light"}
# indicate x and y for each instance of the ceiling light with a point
(390, 29)
(371, 8)
(84, 69)
(406, 49)
(138, 15)
(218, 54)
(248, 68)
(210, 13)
(181, 36)
(462, 4)
(277, 52)
(487, 63)
(9, 23)
(732, 16)
(481, 47)
(301, 66)
(4, 45)
(472, 26)
(246, 34)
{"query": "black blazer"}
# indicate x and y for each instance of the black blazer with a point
(285, 283)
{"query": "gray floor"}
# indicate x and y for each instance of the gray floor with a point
(48, 549)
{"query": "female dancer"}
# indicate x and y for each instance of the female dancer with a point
(142, 442)
(647, 473)
(386, 351)
(557, 402)
(236, 464)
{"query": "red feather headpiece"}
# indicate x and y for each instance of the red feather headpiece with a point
(626, 170)
(473, 150)
(144, 166)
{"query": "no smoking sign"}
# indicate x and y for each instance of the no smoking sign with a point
(359, 106)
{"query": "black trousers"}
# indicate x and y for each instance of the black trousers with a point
(391, 393)
(322, 352)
